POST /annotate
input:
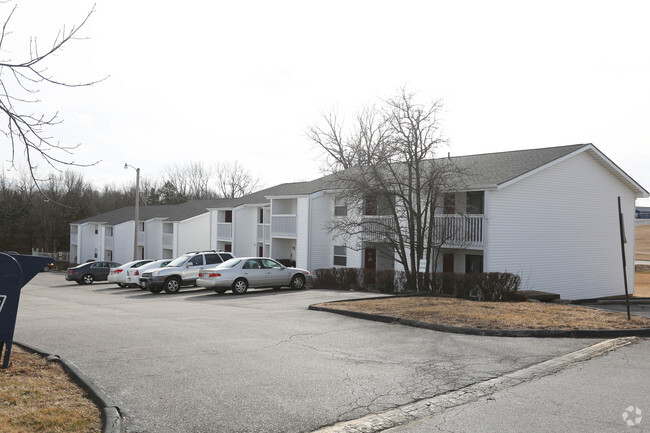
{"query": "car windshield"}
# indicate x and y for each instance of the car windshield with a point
(179, 261)
(229, 263)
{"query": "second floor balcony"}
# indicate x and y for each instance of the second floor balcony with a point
(449, 231)
(284, 226)
(224, 231)
(459, 231)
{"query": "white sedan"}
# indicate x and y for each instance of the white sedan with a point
(240, 273)
(133, 274)
(118, 275)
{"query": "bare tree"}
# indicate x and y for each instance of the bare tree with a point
(21, 78)
(386, 173)
(234, 181)
(183, 182)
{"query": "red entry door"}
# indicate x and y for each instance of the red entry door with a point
(448, 263)
(370, 259)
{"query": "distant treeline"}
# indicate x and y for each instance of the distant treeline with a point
(37, 214)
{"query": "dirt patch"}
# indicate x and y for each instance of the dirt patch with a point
(38, 396)
(493, 315)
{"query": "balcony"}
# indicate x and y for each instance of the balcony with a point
(377, 228)
(224, 231)
(459, 231)
(74, 238)
(168, 240)
(451, 231)
(264, 233)
(108, 242)
(284, 226)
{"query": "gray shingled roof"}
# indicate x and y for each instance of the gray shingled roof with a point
(493, 169)
(488, 170)
(170, 213)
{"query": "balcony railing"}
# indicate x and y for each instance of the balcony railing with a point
(460, 231)
(168, 240)
(264, 233)
(284, 226)
(108, 242)
(451, 231)
(224, 231)
(377, 228)
(74, 238)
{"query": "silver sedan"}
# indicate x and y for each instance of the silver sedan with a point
(239, 274)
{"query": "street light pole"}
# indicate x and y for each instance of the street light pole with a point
(137, 209)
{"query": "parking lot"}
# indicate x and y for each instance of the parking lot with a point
(261, 362)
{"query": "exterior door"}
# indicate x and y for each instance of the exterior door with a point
(370, 259)
(448, 263)
(369, 265)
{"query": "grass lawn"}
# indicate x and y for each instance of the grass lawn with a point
(38, 396)
(494, 315)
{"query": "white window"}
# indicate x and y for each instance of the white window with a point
(340, 207)
(340, 256)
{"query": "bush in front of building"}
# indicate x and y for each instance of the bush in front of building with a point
(488, 286)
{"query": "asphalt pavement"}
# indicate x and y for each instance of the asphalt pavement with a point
(261, 362)
(609, 393)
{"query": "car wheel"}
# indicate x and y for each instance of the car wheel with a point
(240, 286)
(172, 285)
(298, 282)
(155, 289)
(221, 290)
(88, 279)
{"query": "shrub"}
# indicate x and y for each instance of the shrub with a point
(491, 286)
(337, 278)
(499, 286)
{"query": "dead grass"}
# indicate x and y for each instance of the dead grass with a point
(642, 284)
(642, 243)
(493, 315)
(38, 396)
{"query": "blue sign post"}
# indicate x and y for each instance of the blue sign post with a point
(15, 271)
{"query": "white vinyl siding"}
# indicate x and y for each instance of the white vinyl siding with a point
(321, 244)
(559, 230)
(302, 233)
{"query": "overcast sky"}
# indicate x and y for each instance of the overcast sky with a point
(243, 80)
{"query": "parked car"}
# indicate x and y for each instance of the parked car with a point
(241, 273)
(118, 275)
(182, 271)
(133, 274)
(89, 272)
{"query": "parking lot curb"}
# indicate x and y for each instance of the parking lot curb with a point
(113, 421)
(536, 333)
(438, 404)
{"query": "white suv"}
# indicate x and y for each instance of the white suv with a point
(182, 271)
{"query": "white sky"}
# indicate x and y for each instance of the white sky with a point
(226, 81)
